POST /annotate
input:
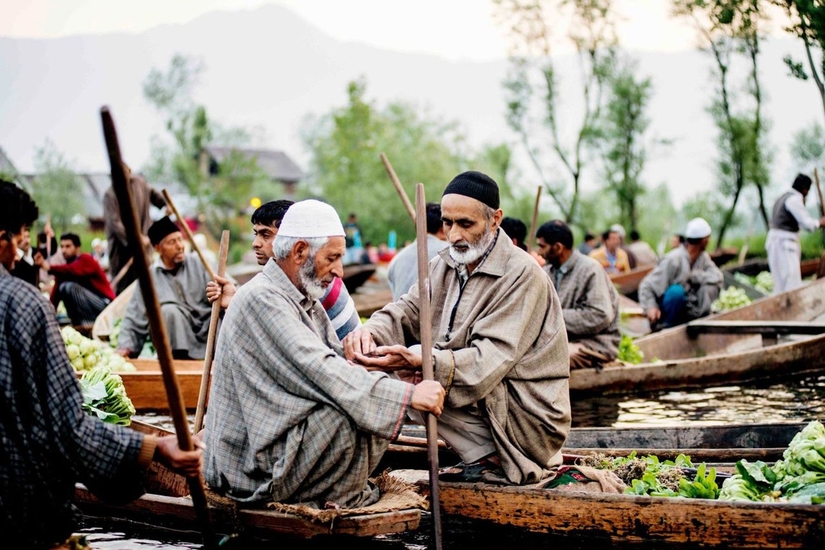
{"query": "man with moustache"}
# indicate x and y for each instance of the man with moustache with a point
(179, 280)
(265, 223)
(500, 348)
(589, 301)
(290, 420)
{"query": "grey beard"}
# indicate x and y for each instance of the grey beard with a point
(475, 252)
(313, 289)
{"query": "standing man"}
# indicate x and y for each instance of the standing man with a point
(179, 280)
(80, 283)
(119, 252)
(403, 270)
(265, 223)
(290, 419)
(589, 301)
(788, 216)
(500, 348)
(49, 443)
(611, 255)
(684, 284)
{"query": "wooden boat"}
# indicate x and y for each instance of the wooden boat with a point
(755, 266)
(166, 504)
(145, 386)
(776, 336)
(628, 283)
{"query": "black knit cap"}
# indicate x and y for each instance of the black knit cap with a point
(475, 185)
(160, 229)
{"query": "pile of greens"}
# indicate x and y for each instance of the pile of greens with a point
(730, 298)
(629, 352)
(763, 281)
(799, 477)
(105, 397)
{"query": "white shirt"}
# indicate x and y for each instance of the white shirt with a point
(796, 206)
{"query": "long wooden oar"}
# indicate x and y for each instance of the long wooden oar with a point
(400, 189)
(156, 326)
(531, 236)
(203, 395)
(426, 329)
(122, 273)
(188, 232)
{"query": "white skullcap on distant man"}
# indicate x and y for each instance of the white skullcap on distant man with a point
(619, 228)
(311, 218)
(697, 228)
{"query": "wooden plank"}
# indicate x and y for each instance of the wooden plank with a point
(705, 326)
(620, 518)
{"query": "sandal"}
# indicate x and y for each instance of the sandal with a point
(469, 473)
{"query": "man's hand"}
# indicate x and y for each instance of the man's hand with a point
(822, 221)
(123, 352)
(358, 342)
(40, 262)
(145, 240)
(428, 396)
(390, 358)
(654, 314)
(186, 463)
(220, 288)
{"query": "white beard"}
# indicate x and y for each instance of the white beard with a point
(313, 288)
(474, 250)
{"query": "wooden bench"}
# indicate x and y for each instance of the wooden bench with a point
(770, 330)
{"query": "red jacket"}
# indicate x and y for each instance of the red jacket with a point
(83, 270)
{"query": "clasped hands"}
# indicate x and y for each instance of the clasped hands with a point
(361, 349)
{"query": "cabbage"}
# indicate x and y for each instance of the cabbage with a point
(85, 353)
(105, 397)
(730, 298)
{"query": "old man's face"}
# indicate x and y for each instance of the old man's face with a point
(469, 226)
(320, 270)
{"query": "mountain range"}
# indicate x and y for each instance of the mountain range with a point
(269, 68)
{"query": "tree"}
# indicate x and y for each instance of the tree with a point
(622, 132)
(532, 71)
(807, 21)
(728, 28)
(57, 189)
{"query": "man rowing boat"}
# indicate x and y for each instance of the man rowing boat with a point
(500, 346)
(290, 419)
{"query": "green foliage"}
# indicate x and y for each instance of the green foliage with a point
(57, 189)
(346, 170)
(807, 22)
(730, 298)
(630, 352)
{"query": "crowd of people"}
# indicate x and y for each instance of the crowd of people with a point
(306, 397)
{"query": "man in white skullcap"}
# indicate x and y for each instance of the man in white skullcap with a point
(291, 420)
(684, 283)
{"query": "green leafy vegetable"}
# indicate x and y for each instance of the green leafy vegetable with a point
(105, 396)
(629, 352)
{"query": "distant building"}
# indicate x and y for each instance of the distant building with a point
(276, 164)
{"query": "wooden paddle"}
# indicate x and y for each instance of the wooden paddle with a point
(401, 193)
(531, 236)
(203, 395)
(121, 273)
(157, 329)
(425, 322)
(188, 232)
(820, 271)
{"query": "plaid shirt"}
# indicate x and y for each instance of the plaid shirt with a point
(290, 419)
(49, 444)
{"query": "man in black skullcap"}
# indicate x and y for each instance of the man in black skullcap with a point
(500, 346)
(180, 280)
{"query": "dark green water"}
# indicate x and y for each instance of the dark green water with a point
(800, 399)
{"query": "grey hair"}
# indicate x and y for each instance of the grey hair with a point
(282, 246)
(487, 211)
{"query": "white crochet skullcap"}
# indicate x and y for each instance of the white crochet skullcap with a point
(697, 228)
(311, 218)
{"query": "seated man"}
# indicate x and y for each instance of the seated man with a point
(80, 283)
(684, 283)
(500, 348)
(265, 223)
(644, 253)
(610, 255)
(179, 282)
(589, 301)
(290, 419)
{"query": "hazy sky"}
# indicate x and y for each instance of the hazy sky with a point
(427, 26)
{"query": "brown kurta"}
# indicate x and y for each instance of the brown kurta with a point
(499, 345)
(143, 196)
(589, 303)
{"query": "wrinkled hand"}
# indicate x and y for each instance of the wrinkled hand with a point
(358, 342)
(220, 288)
(654, 314)
(390, 358)
(186, 463)
(428, 396)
